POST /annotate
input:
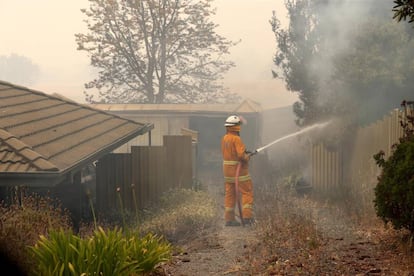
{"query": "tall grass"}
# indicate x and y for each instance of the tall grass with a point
(180, 213)
(24, 220)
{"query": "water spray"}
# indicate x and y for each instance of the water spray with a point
(320, 125)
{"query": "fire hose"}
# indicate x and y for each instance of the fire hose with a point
(237, 191)
(238, 203)
(236, 184)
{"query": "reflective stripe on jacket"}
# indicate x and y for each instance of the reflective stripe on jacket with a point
(233, 150)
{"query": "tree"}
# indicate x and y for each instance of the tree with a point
(375, 70)
(297, 46)
(18, 69)
(356, 65)
(155, 51)
(403, 9)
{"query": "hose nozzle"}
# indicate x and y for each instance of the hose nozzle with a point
(251, 153)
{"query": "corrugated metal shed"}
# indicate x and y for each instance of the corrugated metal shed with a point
(43, 135)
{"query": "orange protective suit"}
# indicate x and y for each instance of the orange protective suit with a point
(233, 150)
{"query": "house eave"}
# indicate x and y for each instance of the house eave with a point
(52, 178)
(99, 154)
(31, 179)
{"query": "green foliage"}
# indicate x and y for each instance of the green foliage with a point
(106, 252)
(24, 220)
(297, 47)
(403, 10)
(113, 252)
(374, 72)
(355, 64)
(394, 193)
(149, 251)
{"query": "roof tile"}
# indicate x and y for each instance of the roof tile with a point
(15, 144)
(43, 133)
(4, 135)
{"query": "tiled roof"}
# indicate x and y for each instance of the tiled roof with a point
(45, 133)
(17, 156)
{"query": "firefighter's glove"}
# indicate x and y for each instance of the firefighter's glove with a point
(246, 157)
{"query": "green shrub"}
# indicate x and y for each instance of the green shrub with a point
(109, 252)
(149, 251)
(394, 193)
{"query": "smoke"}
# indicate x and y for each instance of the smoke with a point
(337, 21)
(18, 69)
(360, 51)
(362, 68)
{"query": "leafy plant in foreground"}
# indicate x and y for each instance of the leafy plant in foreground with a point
(107, 252)
(394, 193)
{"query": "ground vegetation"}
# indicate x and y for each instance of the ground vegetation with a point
(294, 234)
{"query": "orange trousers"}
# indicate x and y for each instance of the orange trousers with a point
(246, 194)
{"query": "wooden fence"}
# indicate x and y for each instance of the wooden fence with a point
(140, 177)
(354, 169)
(327, 168)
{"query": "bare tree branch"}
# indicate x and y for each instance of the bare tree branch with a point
(155, 51)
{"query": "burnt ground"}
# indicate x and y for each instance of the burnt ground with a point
(293, 236)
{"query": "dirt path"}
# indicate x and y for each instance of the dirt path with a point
(345, 248)
(220, 250)
(218, 253)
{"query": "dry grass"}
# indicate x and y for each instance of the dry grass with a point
(297, 235)
(289, 235)
(309, 235)
(180, 214)
(22, 222)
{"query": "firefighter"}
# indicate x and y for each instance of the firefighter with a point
(234, 152)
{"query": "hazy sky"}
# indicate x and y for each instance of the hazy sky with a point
(43, 31)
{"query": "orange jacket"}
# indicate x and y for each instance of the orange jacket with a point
(233, 150)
